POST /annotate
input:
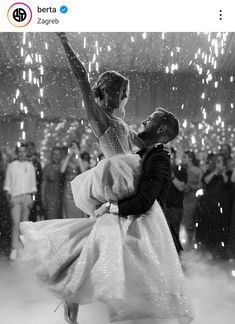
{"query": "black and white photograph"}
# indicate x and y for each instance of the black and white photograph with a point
(117, 177)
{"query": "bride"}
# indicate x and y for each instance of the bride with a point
(109, 94)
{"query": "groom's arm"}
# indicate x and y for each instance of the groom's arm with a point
(156, 169)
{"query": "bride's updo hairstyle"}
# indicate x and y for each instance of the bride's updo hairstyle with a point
(110, 83)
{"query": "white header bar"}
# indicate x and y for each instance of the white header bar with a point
(117, 15)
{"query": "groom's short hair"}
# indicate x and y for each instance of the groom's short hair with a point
(171, 121)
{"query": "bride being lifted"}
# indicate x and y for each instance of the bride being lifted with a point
(129, 264)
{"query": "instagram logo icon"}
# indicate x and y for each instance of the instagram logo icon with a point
(19, 14)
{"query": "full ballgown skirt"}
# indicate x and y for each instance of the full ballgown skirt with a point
(129, 264)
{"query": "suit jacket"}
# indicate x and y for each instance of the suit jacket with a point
(154, 185)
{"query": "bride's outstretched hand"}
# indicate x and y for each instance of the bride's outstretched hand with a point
(62, 36)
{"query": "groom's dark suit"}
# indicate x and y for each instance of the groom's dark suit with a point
(154, 185)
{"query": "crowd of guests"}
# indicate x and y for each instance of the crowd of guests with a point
(200, 202)
(28, 192)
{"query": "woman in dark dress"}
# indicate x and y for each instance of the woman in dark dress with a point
(5, 219)
(52, 186)
(34, 156)
(194, 175)
(231, 239)
(213, 212)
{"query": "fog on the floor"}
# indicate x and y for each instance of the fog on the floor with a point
(212, 288)
(22, 301)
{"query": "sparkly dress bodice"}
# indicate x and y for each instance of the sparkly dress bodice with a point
(118, 139)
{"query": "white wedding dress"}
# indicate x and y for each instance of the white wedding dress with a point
(129, 264)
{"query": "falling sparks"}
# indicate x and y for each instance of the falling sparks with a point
(204, 62)
(89, 67)
(144, 35)
(204, 114)
(28, 59)
(30, 75)
(200, 126)
(193, 140)
(200, 192)
(185, 123)
(24, 38)
(41, 69)
(218, 107)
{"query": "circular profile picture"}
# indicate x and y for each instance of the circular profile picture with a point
(19, 14)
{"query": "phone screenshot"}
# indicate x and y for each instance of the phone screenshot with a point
(117, 162)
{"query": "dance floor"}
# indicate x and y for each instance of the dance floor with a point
(22, 301)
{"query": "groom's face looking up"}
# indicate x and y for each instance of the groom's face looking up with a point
(160, 127)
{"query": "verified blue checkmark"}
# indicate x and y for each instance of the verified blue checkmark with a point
(63, 9)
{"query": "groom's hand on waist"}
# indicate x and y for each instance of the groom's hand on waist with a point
(107, 207)
(103, 209)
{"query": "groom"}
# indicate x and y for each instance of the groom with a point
(159, 128)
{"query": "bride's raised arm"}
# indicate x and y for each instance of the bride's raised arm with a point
(96, 116)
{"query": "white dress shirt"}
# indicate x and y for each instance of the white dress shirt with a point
(20, 178)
